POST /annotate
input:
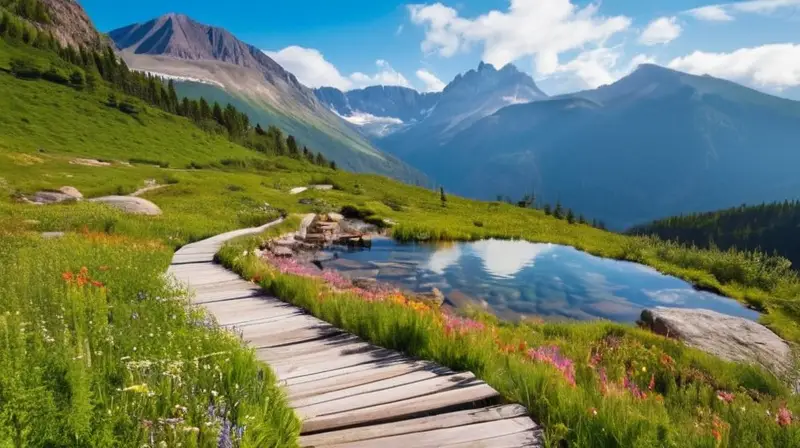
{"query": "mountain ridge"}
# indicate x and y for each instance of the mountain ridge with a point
(656, 143)
(174, 45)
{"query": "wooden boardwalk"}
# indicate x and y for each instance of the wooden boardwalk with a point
(346, 391)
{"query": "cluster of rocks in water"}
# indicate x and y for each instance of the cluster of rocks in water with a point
(322, 231)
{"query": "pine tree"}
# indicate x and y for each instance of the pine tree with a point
(570, 216)
(260, 130)
(185, 107)
(320, 160)
(205, 110)
(442, 197)
(581, 219)
(173, 96)
(333, 165)
(216, 114)
(291, 146)
(546, 209)
(558, 212)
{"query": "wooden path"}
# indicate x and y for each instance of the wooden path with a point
(346, 391)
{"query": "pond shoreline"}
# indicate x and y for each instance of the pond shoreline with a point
(331, 241)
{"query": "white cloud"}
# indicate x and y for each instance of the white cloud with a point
(432, 83)
(775, 66)
(598, 67)
(542, 29)
(310, 67)
(661, 31)
(313, 70)
(724, 12)
(764, 6)
(711, 13)
(386, 76)
(399, 30)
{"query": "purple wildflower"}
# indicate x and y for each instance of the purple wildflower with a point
(225, 440)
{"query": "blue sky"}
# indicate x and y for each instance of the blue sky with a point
(564, 44)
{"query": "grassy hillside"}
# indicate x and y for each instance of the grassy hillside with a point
(50, 392)
(350, 153)
(771, 228)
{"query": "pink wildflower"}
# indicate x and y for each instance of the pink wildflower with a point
(633, 388)
(551, 355)
(727, 397)
(784, 416)
(460, 325)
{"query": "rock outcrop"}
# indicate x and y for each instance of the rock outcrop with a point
(728, 337)
(128, 204)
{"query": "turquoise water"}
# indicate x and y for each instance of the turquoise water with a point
(518, 278)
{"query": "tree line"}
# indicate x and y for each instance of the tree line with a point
(106, 66)
(557, 211)
(768, 227)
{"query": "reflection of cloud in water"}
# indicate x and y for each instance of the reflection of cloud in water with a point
(598, 287)
(507, 258)
(667, 296)
(443, 258)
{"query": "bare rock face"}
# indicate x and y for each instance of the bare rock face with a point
(71, 25)
(128, 204)
(728, 337)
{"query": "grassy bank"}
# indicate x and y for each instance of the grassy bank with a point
(589, 384)
(97, 349)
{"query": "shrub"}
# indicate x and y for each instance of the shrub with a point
(55, 75)
(26, 68)
(128, 107)
(77, 79)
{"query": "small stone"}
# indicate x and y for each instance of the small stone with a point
(71, 191)
(335, 217)
(282, 251)
(322, 187)
(366, 283)
(52, 235)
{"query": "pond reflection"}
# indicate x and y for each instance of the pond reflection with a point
(518, 278)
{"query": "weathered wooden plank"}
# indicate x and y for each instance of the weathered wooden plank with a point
(228, 295)
(293, 336)
(401, 409)
(294, 370)
(473, 435)
(448, 420)
(433, 385)
(304, 348)
(339, 374)
(356, 392)
(350, 379)
(247, 309)
(525, 439)
(334, 351)
(258, 330)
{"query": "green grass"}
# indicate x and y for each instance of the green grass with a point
(120, 360)
(44, 126)
(682, 409)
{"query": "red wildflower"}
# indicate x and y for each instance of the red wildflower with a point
(652, 384)
(523, 346)
(97, 284)
(67, 276)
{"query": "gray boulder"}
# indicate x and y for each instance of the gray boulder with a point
(128, 204)
(52, 197)
(728, 337)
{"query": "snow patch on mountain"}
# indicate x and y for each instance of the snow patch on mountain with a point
(182, 78)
